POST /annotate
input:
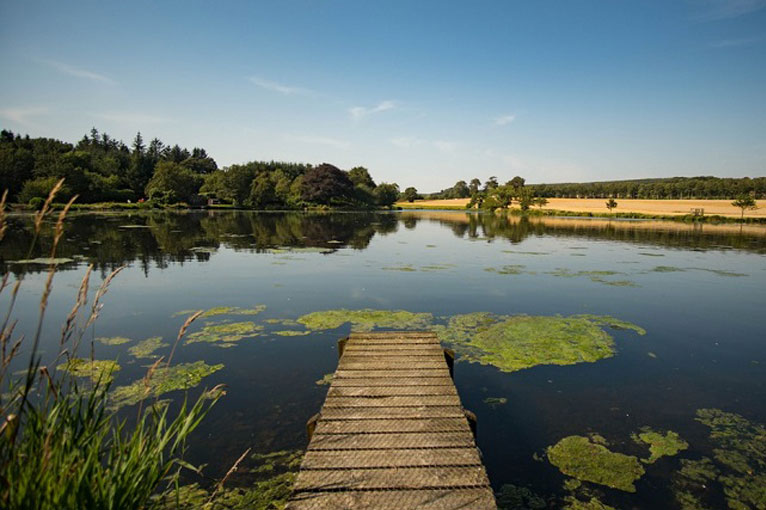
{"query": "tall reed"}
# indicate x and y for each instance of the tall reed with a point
(60, 446)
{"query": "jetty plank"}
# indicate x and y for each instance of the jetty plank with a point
(392, 433)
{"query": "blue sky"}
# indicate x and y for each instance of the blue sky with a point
(422, 93)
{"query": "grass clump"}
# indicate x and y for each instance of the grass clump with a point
(660, 445)
(145, 348)
(366, 319)
(113, 340)
(163, 380)
(97, 370)
(226, 334)
(579, 457)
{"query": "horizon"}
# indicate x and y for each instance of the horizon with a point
(423, 95)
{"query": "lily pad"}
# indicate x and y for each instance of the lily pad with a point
(579, 457)
(163, 380)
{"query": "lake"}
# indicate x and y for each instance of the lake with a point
(698, 291)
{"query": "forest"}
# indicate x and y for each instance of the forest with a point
(677, 188)
(100, 169)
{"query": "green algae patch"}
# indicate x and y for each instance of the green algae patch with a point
(668, 269)
(97, 370)
(283, 322)
(163, 380)
(291, 332)
(514, 497)
(326, 380)
(226, 334)
(406, 269)
(366, 319)
(738, 464)
(495, 401)
(513, 269)
(660, 445)
(113, 340)
(594, 276)
(513, 343)
(579, 457)
(273, 461)
(721, 272)
(593, 503)
(145, 349)
(224, 310)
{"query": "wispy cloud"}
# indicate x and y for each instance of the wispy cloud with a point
(281, 88)
(358, 112)
(732, 43)
(131, 118)
(23, 116)
(78, 72)
(320, 140)
(408, 142)
(714, 10)
(504, 120)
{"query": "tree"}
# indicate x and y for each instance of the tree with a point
(460, 190)
(361, 177)
(526, 198)
(262, 192)
(172, 183)
(745, 202)
(611, 204)
(541, 202)
(327, 185)
(491, 183)
(386, 194)
(410, 194)
(473, 188)
(517, 182)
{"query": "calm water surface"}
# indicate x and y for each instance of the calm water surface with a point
(704, 324)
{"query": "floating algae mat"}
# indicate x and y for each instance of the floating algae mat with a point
(366, 319)
(660, 445)
(226, 334)
(163, 380)
(145, 349)
(738, 464)
(513, 343)
(96, 370)
(224, 310)
(274, 477)
(113, 340)
(291, 332)
(585, 459)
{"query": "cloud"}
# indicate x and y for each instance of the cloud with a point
(23, 115)
(131, 118)
(320, 140)
(358, 112)
(406, 142)
(715, 10)
(504, 120)
(78, 72)
(732, 43)
(279, 87)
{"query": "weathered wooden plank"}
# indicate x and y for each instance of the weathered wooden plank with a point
(392, 413)
(430, 372)
(392, 381)
(394, 401)
(346, 459)
(390, 391)
(390, 441)
(365, 347)
(452, 499)
(389, 426)
(389, 365)
(392, 478)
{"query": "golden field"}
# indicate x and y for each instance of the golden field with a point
(598, 205)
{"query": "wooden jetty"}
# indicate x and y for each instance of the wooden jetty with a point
(392, 433)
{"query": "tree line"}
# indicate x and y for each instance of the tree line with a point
(100, 168)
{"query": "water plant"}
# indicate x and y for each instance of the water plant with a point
(581, 458)
(163, 379)
(326, 380)
(513, 343)
(113, 340)
(224, 310)
(97, 370)
(145, 348)
(495, 401)
(514, 497)
(225, 334)
(366, 319)
(660, 445)
(291, 332)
